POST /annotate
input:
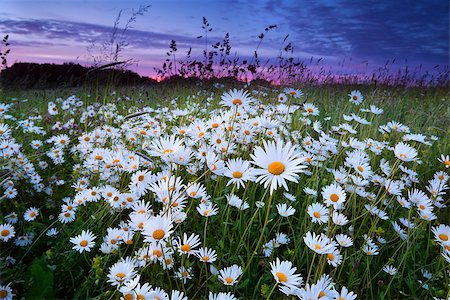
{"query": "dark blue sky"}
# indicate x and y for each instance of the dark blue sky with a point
(358, 32)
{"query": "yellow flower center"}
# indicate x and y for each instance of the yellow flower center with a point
(83, 243)
(3, 294)
(206, 212)
(120, 275)
(98, 157)
(321, 294)
(360, 168)
(330, 256)
(310, 110)
(166, 151)
(355, 97)
(229, 280)
(237, 102)
(214, 125)
(442, 236)
(447, 163)
(281, 277)
(158, 234)
(185, 248)
(128, 297)
(5, 232)
(334, 197)
(157, 253)
(316, 214)
(276, 168)
(317, 247)
(205, 258)
(237, 174)
(141, 177)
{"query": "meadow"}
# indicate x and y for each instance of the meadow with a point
(219, 191)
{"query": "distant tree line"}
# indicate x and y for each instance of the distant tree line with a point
(34, 75)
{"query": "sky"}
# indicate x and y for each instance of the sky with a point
(352, 36)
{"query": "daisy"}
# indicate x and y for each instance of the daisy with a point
(344, 240)
(221, 296)
(282, 97)
(333, 195)
(284, 273)
(6, 232)
(442, 234)
(280, 239)
(11, 218)
(122, 272)
(310, 191)
(293, 92)
(165, 146)
(318, 213)
(206, 255)
(310, 109)
(67, 216)
(339, 219)
(207, 209)
(391, 270)
(284, 210)
(445, 160)
(6, 292)
(52, 232)
(344, 294)
(229, 276)
(236, 98)
(83, 242)
(288, 196)
(187, 245)
(405, 152)
(31, 214)
(177, 295)
(334, 258)
(235, 201)
(278, 163)
(157, 228)
(318, 243)
(370, 249)
(239, 171)
(356, 97)
(196, 190)
(183, 274)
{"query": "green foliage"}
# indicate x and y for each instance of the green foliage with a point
(39, 280)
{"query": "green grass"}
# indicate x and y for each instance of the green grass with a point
(50, 268)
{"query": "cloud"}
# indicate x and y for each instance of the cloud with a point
(58, 30)
(373, 30)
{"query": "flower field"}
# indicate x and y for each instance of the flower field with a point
(216, 192)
